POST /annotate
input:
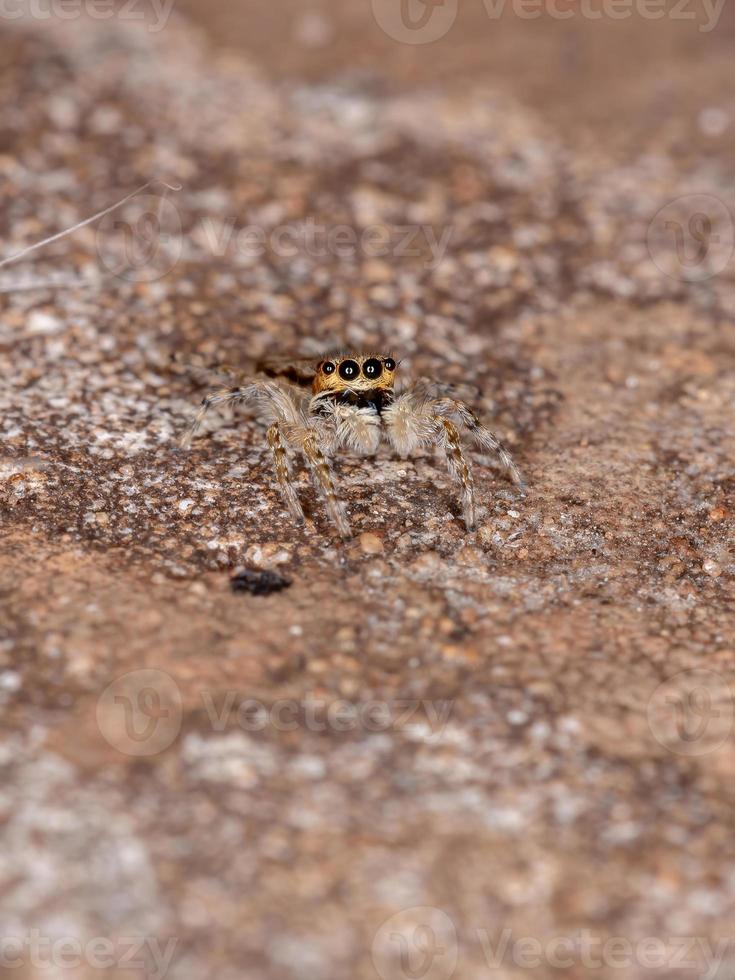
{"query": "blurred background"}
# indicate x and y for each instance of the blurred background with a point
(425, 753)
(619, 73)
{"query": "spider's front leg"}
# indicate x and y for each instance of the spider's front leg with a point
(311, 440)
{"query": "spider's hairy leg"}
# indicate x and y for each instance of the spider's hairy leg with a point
(412, 423)
(283, 472)
(288, 427)
(486, 439)
(275, 401)
(221, 396)
(324, 479)
(448, 438)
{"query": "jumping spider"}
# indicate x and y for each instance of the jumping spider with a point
(353, 403)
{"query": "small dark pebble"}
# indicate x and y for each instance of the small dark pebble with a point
(258, 582)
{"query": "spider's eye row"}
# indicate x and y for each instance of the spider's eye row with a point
(390, 364)
(372, 368)
(328, 367)
(349, 370)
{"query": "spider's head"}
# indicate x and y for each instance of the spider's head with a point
(355, 372)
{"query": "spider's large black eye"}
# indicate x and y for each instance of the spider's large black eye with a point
(349, 370)
(372, 368)
(390, 364)
(328, 367)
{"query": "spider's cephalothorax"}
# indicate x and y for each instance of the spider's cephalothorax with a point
(360, 380)
(353, 403)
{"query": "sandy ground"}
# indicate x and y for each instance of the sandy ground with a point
(434, 753)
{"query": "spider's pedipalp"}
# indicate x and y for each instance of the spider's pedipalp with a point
(359, 430)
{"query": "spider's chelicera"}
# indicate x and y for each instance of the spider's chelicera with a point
(352, 404)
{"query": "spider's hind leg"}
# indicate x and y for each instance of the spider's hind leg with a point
(484, 437)
(412, 422)
(448, 438)
(276, 403)
(221, 396)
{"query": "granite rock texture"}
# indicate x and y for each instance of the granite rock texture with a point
(522, 731)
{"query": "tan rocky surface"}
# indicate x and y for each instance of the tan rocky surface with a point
(482, 724)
